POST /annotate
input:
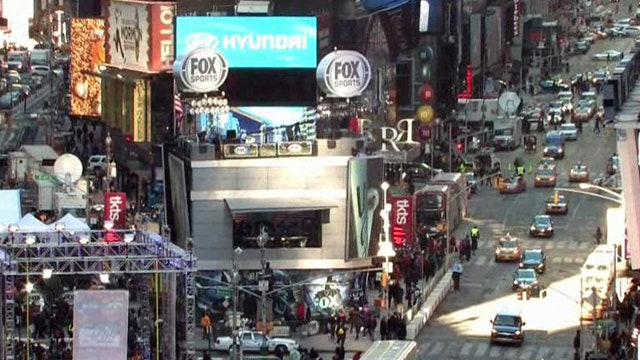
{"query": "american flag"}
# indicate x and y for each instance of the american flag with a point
(178, 112)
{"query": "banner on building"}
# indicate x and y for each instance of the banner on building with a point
(364, 204)
(140, 35)
(87, 58)
(398, 24)
(402, 220)
(115, 209)
(100, 324)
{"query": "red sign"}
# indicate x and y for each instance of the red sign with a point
(161, 34)
(402, 220)
(468, 93)
(115, 209)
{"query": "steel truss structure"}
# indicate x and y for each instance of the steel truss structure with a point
(118, 252)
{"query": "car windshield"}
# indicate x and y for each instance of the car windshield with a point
(568, 127)
(542, 220)
(545, 172)
(532, 255)
(508, 244)
(526, 274)
(506, 320)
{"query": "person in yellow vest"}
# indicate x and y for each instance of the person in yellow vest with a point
(475, 235)
(463, 168)
(520, 170)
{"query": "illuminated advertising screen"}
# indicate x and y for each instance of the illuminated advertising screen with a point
(87, 56)
(251, 118)
(252, 41)
(431, 16)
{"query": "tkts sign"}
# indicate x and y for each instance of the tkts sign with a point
(402, 220)
(115, 209)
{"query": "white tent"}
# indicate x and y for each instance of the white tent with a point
(30, 223)
(71, 224)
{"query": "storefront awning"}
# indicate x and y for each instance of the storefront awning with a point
(244, 206)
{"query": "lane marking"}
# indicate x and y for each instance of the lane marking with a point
(573, 213)
(436, 348)
(543, 352)
(495, 351)
(466, 349)
(481, 350)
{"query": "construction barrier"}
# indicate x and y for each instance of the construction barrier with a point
(428, 308)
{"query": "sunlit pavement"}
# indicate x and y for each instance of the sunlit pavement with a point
(461, 326)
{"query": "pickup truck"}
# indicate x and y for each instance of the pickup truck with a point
(252, 341)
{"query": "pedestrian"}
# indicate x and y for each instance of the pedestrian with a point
(205, 323)
(383, 328)
(475, 236)
(341, 334)
(576, 342)
(596, 127)
(598, 235)
(456, 273)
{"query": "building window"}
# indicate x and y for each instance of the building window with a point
(295, 229)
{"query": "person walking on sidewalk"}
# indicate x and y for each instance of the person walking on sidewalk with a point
(205, 323)
(596, 126)
(598, 235)
(341, 334)
(456, 273)
(383, 328)
(576, 345)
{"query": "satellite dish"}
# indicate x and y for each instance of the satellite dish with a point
(509, 102)
(68, 169)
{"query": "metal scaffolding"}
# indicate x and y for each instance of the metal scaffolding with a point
(116, 252)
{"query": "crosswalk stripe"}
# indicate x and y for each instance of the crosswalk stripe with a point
(484, 244)
(526, 354)
(578, 260)
(510, 354)
(567, 260)
(584, 245)
(436, 348)
(543, 352)
(481, 350)
(548, 245)
(466, 349)
(480, 260)
(556, 260)
(561, 244)
(495, 352)
(562, 353)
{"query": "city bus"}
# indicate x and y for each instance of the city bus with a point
(392, 350)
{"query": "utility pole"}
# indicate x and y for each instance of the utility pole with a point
(264, 286)
(107, 177)
(235, 278)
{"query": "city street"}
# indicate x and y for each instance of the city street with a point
(461, 327)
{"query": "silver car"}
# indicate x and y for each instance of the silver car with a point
(570, 131)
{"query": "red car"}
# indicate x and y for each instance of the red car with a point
(513, 185)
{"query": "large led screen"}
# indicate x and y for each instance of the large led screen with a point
(431, 16)
(252, 41)
(251, 118)
(87, 56)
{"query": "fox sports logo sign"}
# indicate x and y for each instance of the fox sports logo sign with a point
(201, 70)
(344, 74)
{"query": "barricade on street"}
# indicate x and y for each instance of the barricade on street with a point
(426, 311)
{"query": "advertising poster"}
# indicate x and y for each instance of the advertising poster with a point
(162, 36)
(402, 220)
(179, 204)
(493, 29)
(399, 29)
(128, 34)
(100, 324)
(87, 56)
(322, 294)
(252, 41)
(115, 209)
(365, 200)
(140, 128)
(475, 42)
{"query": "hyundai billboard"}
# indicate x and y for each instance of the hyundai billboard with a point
(252, 41)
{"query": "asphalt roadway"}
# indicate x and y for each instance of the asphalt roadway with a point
(461, 326)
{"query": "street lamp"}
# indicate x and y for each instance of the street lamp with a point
(263, 284)
(386, 251)
(617, 199)
(107, 185)
(587, 186)
(235, 279)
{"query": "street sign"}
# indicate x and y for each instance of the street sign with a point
(324, 302)
(263, 285)
(42, 177)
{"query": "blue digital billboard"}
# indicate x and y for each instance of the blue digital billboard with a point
(252, 41)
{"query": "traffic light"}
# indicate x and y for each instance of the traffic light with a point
(556, 198)
(459, 146)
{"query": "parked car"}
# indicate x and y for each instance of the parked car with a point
(579, 173)
(97, 162)
(253, 340)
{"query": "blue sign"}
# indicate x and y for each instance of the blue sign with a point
(252, 41)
